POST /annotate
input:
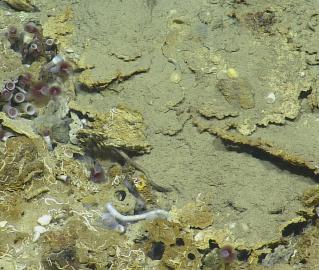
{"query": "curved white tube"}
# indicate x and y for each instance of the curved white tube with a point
(158, 213)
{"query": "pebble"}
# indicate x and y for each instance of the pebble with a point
(232, 73)
(69, 50)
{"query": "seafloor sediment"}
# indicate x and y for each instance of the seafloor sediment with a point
(207, 111)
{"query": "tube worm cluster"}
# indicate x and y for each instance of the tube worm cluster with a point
(19, 96)
(31, 43)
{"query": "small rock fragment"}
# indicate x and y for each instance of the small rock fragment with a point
(21, 5)
(237, 91)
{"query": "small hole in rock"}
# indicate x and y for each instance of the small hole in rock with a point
(120, 195)
(157, 251)
(212, 244)
(191, 256)
(179, 242)
(243, 255)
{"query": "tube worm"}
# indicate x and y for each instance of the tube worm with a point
(158, 213)
(28, 108)
(10, 86)
(11, 112)
(6, 95)
(19, 97)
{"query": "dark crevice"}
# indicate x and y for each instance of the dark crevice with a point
(243, 255)
(280, 163)
(294, 228)
(305, 94)
(157, 250)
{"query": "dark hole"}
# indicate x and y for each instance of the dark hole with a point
(22, 213)
(303, 261)
(212, 244)
(120, 195)
(180, 242)
(54, 145)
(69, 255)
(304, 94)
(243, 255)
(294, 229)
(261, 257)
(157, 251)
(191, 256)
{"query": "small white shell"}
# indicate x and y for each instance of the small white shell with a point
(270, 98)
(62, 177)
(44, 220)
(38, 230)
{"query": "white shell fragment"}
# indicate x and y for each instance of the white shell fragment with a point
(3, 223)
(44, 220)
(38, 230)
(270, 98)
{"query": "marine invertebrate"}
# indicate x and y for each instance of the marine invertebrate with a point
(19, 97)
(54, 90)
(97, 173)
(50, 48)
(34, 50)
(6, 95)
(47, 138)
(59, 67)
(153, 214)
(110, 222)
(10, 86)
(49, 44)
(39, 91)
(53, 65)
(25, 80)
(28, 108)
(12, 35)
(23, 90)
(12, 112)
(65, 69)
(31, 27)
(228, 254)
